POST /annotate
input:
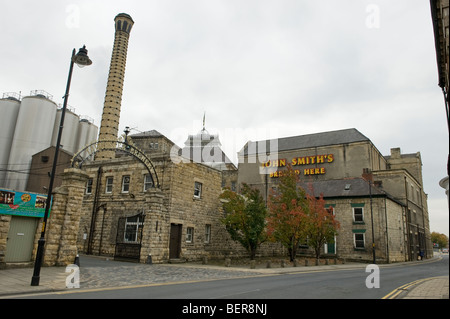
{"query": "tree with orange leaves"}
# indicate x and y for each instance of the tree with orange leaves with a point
(288, 213)
(321, 224)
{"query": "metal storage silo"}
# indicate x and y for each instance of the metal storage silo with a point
(33, 133)
(70, 130)
(9, 109)
(87, 133)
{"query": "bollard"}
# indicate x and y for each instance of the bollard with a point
(306, 262)
(77, 260)
(204, 260)
(269, 264)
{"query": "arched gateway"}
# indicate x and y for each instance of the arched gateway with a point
(88, 152)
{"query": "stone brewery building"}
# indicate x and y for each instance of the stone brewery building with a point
(378, 200)
(144, 199)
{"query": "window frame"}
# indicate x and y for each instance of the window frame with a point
(189, 235)
(355, 241)
(89, 185)
(362, 221)
(126, 184)
(207, 233)
(148, 184)
(137, 223)
(109, 184)
(198, 190)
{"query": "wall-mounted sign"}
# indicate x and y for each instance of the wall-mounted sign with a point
(300, 161)
(22, 203)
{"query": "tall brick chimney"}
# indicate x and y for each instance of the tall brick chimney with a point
(113, 97)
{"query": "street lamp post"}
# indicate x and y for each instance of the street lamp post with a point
(81, 59)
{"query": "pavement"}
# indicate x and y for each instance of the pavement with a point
(101, 273)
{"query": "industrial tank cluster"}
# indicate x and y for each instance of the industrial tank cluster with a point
(30, 125)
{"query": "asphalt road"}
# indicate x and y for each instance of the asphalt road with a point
(335, 284)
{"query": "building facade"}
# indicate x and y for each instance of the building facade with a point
(127, 215)
(378, 200)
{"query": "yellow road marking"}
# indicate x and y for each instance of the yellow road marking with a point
(394, 293)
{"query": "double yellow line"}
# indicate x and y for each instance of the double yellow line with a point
(394, 293)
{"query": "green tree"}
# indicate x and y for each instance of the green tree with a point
(245, 218)
(440, 239)
(288, 211)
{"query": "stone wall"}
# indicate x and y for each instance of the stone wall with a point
(173, 203)
(4, 229)
(63, 221)
(389, 224)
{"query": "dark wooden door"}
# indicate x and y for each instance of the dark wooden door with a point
(175, 241)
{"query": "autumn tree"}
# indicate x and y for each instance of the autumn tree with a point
(321, 225)
(440, 239)
(245, 218)
(288, 211)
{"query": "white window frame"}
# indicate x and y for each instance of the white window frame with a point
(190, 235)
(132, 227)
(126, 184)
(147, 183)
(207, 233)
(109, 184)
(89, 184)
(198, 189)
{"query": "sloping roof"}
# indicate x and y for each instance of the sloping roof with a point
(349, 187)
(152, 133)
(305, 141)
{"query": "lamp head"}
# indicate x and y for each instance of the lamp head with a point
(81, 58)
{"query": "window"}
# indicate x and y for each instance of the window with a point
(148, 182)
(358, 215)
(358, 240)
(109, 184)
(133, 229)
(207, 234)
(125, 184)
(189, 235)
(197, 190)
(89, 183)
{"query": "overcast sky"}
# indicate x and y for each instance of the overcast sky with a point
(258, 68)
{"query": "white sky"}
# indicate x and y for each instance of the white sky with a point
(258, 68)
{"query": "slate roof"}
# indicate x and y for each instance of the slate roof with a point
(348, 187)
(306, 141)
(152, 133)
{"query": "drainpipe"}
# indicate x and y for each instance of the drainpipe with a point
(94, 211)
(408, 228)
(387, 231)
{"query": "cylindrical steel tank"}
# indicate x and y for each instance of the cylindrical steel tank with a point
(32, 134)
(87, 133)
(69, 133)
(9, 109)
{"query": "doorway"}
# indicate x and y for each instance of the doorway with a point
(175, 241)
(20, 240)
